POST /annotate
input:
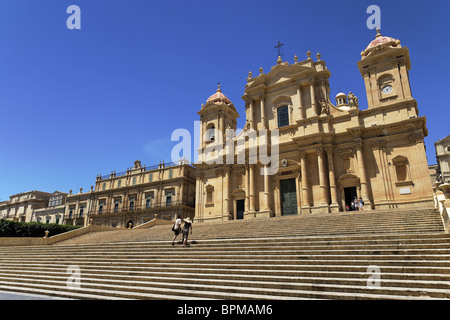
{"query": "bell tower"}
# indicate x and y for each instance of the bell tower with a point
(216, 116)
(384, 66)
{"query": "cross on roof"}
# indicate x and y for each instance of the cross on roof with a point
(278, 46)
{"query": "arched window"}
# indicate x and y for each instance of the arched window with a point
(283, 116)
(210, 132)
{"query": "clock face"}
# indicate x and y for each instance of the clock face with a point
(387, 89)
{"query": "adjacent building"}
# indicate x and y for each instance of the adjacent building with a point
(54, 212)
(77, 207)
(132, 197)
(443, 159)
(21, 207)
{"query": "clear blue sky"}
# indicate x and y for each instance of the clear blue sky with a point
(77, 103)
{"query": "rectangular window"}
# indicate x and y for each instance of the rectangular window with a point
(283, 116)
(170, 174)
(168, 199)
(70, 213)
(119, 183)
(81, 212)
(134, 181)
(131, 204)
(116, 206)
(148, 202)
(150, 177)
(104, 186)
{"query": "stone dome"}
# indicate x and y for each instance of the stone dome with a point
(341, 99)
(379, 42)
(218, 97)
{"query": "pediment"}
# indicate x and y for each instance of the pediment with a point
(282, 100)
(348, 177)
(446, 139)
(279, 75)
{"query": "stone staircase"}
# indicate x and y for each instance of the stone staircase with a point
(302, 257)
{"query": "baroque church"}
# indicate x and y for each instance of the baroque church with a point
(324, 153)
(329, 150)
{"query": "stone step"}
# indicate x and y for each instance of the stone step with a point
(398, 249)
(373, 222)
(302, 257)
(259, 253)
(395, 280)
(254, 273)
(129, 236)
(243, 268)
(214, 289)
(282, 264)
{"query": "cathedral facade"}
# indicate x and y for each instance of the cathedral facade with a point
(329, 151)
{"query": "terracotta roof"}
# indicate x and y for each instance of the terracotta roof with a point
(218, 96)
(380, 40)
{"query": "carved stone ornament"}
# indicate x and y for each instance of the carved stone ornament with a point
(319, 152)
(302, 155)
(358, 146)
(345, 153)
(378, 145)
(415, 138)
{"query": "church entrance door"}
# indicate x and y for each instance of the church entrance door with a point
(240, 208)
(288, 197)
(350, 194)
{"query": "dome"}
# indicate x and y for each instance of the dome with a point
(341, 99)
(380, 41)
(218, 97)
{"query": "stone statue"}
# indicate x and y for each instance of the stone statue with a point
(352, 100)
(324, 107)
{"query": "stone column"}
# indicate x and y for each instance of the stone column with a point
(305, 187)
(247, 189)
(323, 191)
(250, 114)
(226, 192)
(252, 187)
(369, 93)
(313, 96)
(374, 86)
(334, 205)
(277, 196)
(405, 81)
(266, 189)
(181, 197)
(263, 116)
(362, 174)
(300, 105)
